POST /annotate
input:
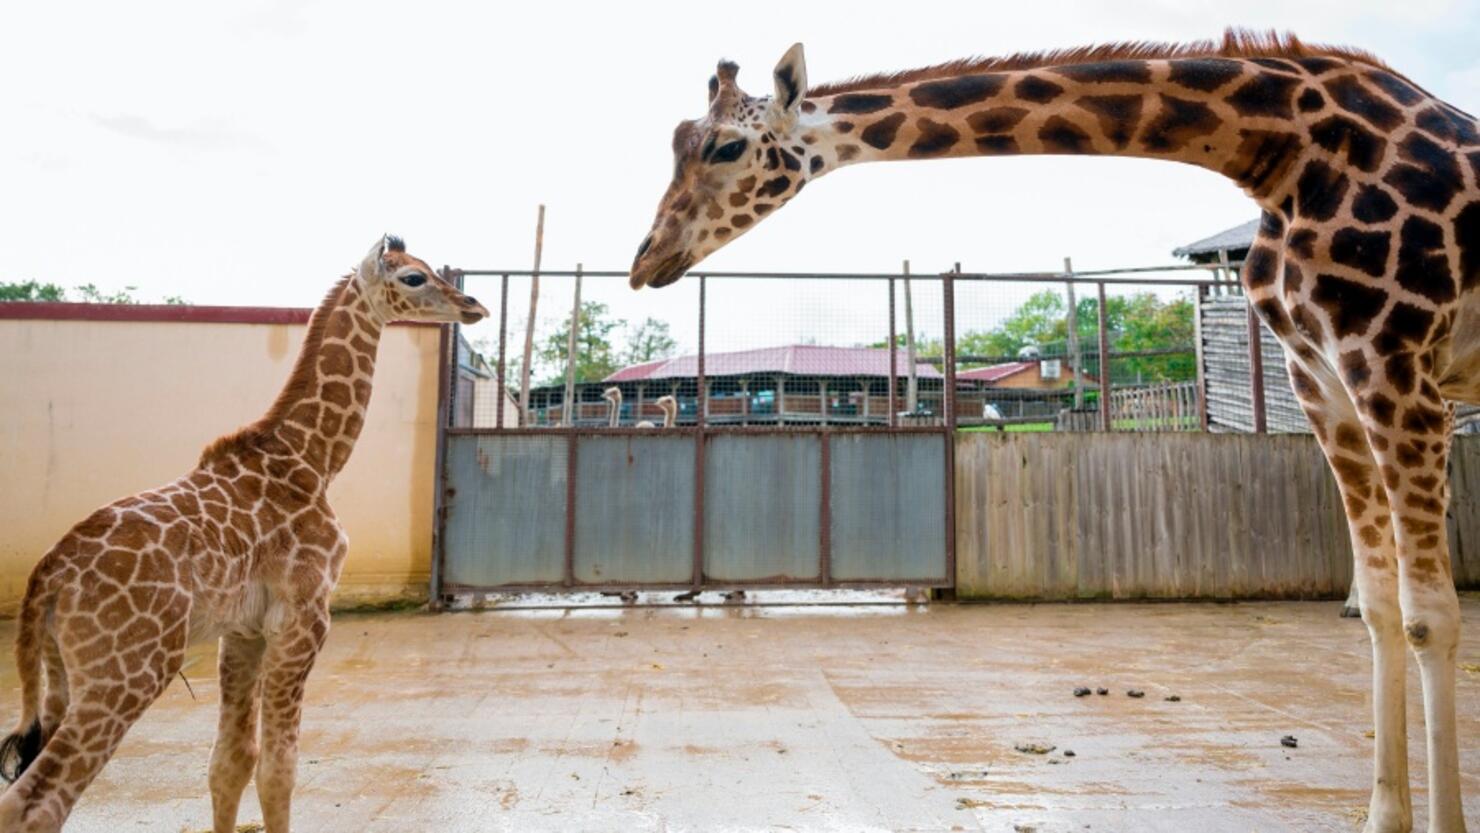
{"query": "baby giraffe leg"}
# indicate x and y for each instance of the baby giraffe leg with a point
(235, 754)
(1334, 419)
(289, 659)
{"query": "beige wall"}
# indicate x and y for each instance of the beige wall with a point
(95, 410)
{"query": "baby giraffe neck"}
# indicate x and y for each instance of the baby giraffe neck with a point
(321, 410)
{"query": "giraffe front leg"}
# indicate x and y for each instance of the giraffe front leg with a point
(1338, 428)
(234, 755)
(1409, 435)
(289, 658)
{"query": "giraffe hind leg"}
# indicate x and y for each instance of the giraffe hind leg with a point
(111, 679)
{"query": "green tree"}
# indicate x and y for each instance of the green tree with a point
(925, 346)
(649, 340)
(31, 291)
(596, 358)
(88, 293)
(1136, 323)
(1038, 322)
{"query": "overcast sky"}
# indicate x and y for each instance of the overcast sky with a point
(250, 152)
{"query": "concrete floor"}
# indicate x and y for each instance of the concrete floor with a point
(843, 718)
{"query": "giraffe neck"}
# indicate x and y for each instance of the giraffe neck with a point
(1238, 117)
(321, 409)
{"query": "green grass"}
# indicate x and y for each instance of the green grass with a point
(1034, 427)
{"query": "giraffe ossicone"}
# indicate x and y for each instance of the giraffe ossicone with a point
(1365, 266)
(244, 547)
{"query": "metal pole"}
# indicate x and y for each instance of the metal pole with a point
(439, 487)
(824, 523)
(699, 444)
(570, 353)
(948, 399)
(912, 386)
(534, 302)
(1105, 384)
(1202, 376)
(893, 360)
(948, 303)
(1256, 372)
(572, 448)
(503, 332)
(1074, 357)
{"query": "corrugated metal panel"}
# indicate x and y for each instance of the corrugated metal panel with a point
(1130, 516)
(1225, 331)
(762, 507)
(634, 509)
(505, 510)
(887, 496)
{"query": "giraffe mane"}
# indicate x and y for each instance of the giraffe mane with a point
(1236, 43)
(298, 382)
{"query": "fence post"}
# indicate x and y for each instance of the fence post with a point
(1105, 384)
(699, 443)
(1199, 297)
(570, 354)
(912, 385)
(1256, 371)
(446, 390)
(534, 302)
(948, 302)
(1073, 335)
(948, 291)
(893, 356)
(503, 331)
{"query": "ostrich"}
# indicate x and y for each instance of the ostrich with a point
(613, 397)
(669, 406)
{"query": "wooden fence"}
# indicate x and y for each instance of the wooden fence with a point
(1170, 406)
(1178, 516)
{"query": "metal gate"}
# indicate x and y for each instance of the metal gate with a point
(700, 506)
(611, 509)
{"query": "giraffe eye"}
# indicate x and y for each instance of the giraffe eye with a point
(729, 151)
(414, 279)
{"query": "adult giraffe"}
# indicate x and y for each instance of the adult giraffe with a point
(1364, 266)
(245, 546)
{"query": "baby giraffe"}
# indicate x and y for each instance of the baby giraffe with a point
(244, 548)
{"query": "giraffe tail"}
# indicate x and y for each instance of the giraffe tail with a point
(22, 746)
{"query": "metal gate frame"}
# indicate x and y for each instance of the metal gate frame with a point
(442, 590)
(1099, 279)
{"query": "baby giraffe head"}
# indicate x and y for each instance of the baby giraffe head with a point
(731, 168)
(404, 288)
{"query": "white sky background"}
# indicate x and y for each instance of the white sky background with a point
(249, 153)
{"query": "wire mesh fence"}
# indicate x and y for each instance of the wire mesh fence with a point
(841, 392)
(976, 351)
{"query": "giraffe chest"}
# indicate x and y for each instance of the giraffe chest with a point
(243, 612)
(1459, 370)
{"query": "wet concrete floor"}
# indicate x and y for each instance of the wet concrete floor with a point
(841, 718)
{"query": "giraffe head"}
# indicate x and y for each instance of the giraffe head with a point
(405, 288)
(731, 168)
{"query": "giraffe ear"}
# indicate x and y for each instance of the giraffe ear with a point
(791, 83)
